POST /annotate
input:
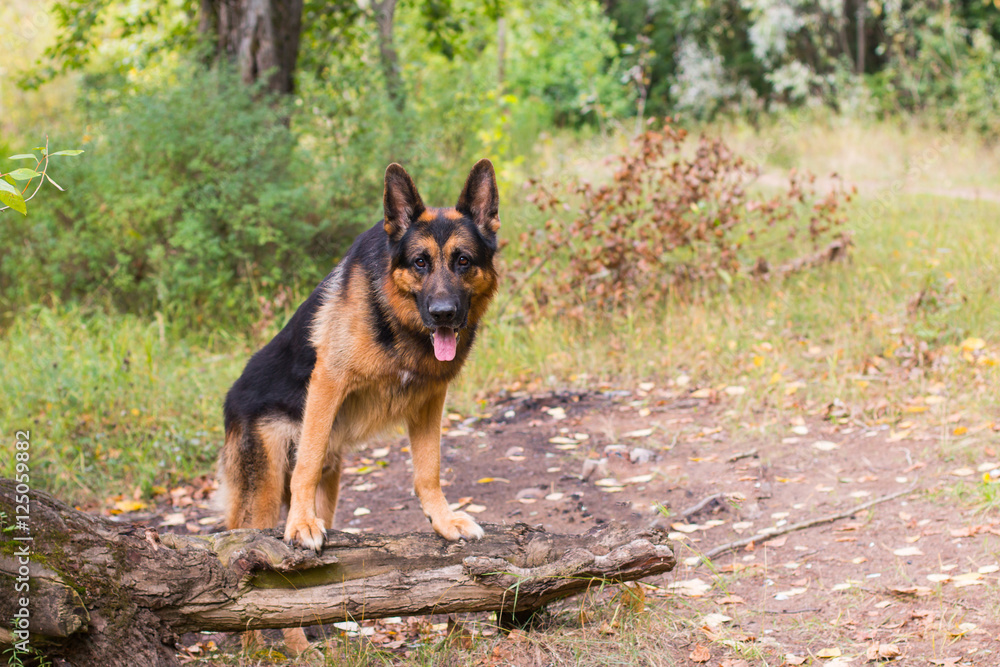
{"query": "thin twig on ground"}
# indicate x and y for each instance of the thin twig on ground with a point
(771, 533)
(705, 502)
(742, 455)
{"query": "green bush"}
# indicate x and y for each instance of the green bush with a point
(191, 196)
(940, 66)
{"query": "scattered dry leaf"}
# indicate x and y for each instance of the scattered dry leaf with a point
(882, 652)
(700, 654)
(909, 551)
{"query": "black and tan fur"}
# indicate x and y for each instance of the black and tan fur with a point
(357, 357)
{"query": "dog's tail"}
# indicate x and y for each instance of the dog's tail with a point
(252, 475)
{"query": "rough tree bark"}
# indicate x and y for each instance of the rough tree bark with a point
(385, 11)
(111, 594)
(260, 36)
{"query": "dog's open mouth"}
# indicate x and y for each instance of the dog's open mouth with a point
(445, 341)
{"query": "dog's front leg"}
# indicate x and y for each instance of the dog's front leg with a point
(425, 448)
(325, 394)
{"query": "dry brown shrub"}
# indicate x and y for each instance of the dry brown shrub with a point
(668, 221)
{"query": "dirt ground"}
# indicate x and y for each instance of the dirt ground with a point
(913, 580)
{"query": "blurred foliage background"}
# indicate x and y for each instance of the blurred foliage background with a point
(209, 179)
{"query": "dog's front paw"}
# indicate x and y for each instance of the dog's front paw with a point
(306, 531)
(456, 525)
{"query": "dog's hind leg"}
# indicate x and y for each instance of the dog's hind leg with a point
(254, 473)
(278, 436)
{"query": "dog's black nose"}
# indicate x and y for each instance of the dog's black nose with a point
(442, 311)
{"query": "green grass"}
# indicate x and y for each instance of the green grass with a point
(114, 401)
(111, 401)
(766, 337)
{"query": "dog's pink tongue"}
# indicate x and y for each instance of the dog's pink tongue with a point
(445, 343)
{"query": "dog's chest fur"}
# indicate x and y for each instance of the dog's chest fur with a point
(374, 408)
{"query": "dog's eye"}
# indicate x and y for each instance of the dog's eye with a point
(463, 261)
(420, 263)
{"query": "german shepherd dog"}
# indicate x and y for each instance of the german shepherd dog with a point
(374, 345)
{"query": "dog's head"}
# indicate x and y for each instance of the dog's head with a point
(442, 258)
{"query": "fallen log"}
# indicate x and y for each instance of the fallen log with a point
(108, 593)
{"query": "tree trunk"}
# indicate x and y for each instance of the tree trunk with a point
(260, 36)
(501, 51)
(385, 11)
(111, 594)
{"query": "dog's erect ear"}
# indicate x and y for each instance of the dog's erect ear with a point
(400, 200)
(479, 199)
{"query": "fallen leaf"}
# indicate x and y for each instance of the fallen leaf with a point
(962, 472)
(792, 659)
(882, 652)
(639, 479)
(910, 591)
(963, 628)
(475, 509)
(715, 620)
(692, 588)
(362, 511)
(829, 653)
(640, 433)
(792, 592)
(685, 527)
(909, 551)
(972, 344)
(731, 599)
(174, 519)
(967, 579)
(487, 480)
(700, 654)
(851, 525)
(825, 445)
(129, 506)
